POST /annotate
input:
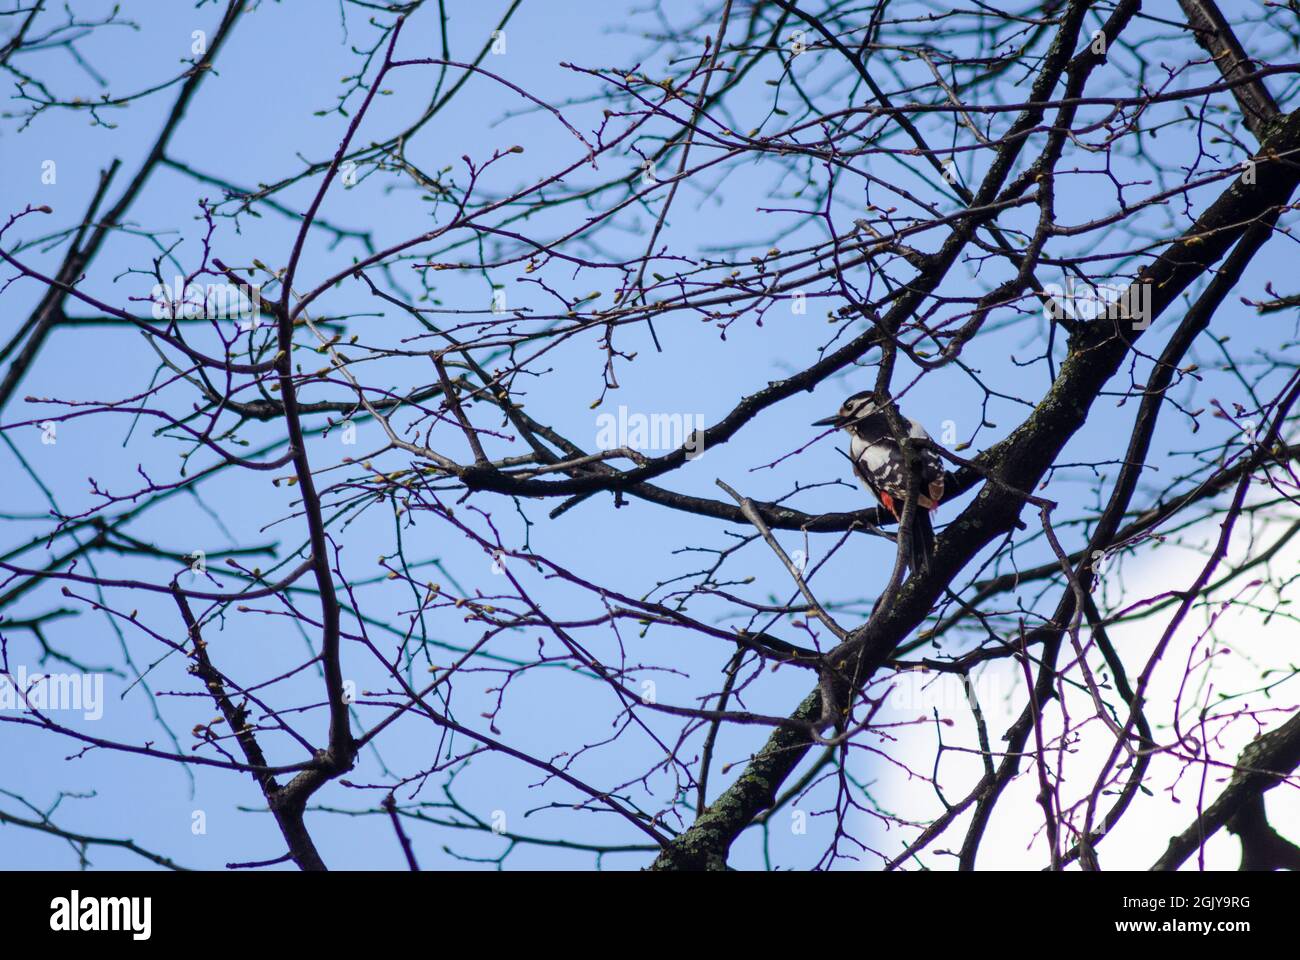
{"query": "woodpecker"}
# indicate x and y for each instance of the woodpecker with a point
(880, 465)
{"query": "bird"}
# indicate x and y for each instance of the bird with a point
(880, 464)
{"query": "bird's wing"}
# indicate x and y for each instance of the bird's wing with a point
(878, 461)
(878, 464)
(931, 463)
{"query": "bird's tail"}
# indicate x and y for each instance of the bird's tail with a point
(922, 539)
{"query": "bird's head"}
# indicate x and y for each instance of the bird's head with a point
(854, 409)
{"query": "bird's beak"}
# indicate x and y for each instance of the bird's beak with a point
(835, 421)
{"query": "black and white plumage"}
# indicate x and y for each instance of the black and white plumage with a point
(880, 464)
